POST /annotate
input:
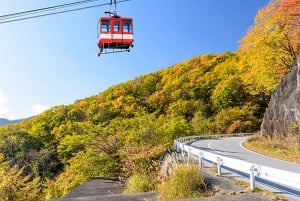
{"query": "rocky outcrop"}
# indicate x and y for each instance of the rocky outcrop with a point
(282, 118)
(170, 160)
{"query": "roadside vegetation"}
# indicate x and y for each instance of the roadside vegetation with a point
(124, 130)
(185, 182)
(259, 190)
(284, 148)
(138, 183)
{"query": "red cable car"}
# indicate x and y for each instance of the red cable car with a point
(115, 34)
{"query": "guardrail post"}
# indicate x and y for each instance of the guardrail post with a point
(200, 159)
(182, 151)
(252, 178)
(219, 166)
(176, 145)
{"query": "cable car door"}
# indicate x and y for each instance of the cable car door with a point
(117, 32)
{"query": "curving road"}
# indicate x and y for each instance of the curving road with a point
(233, 147)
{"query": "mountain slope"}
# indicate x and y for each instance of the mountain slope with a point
(4, 121)
(125, 129)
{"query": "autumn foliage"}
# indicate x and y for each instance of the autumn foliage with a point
(124, 129)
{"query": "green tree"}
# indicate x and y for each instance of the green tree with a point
(76, 114)
(17, 147)
(183, 108)
(228, 93)
(15, 186)
(203, 125)
(237, 119)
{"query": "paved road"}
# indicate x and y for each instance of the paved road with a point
(232, 147)
(104, 189)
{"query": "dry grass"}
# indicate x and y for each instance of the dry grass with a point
(138, 183)
(284, 148)
(270, 194)
(261, 191)
(185, 182)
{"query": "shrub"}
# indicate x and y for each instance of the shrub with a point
(140, 182)
(185, 182)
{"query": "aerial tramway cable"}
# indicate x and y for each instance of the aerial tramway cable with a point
(19, 14)
(30, 14)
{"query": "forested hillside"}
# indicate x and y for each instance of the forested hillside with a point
(124, 129)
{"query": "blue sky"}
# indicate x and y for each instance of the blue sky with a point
(53, 60)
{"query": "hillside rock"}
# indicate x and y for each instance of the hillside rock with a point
(282, 118)
(170, 160)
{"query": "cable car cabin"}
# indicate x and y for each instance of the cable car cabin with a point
(115, 34)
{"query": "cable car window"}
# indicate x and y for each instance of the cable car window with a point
(117, 26)
(105, 26)
(127, 26)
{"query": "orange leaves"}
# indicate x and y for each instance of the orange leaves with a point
(289, 17)
(291, 8)
(276, 26)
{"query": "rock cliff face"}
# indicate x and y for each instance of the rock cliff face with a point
(171, 159)
(282, 117)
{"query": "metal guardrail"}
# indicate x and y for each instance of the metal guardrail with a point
(255, 171)
(202, 137)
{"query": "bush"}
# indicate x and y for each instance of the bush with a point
(185, 182)
(237, 119)
(139, 182)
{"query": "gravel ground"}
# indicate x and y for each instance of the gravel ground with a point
(239, 197)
